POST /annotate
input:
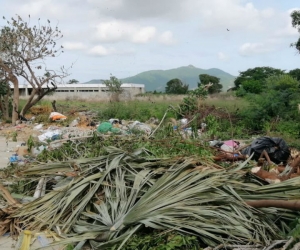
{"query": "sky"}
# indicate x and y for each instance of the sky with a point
(127, 37)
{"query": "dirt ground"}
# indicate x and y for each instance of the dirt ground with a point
(8, 147)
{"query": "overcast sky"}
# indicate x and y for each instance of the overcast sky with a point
(126, 37)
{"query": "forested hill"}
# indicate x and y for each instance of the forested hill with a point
(157, 79)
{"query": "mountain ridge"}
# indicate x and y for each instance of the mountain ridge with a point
(157, 79)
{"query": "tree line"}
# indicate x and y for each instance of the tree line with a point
(176, 86)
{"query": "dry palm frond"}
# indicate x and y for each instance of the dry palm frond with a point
(114, 195)
(196, 201)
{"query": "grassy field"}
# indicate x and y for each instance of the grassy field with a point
(155, 105)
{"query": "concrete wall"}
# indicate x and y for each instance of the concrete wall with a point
(88, 92)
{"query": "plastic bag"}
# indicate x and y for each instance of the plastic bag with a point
(277, 149)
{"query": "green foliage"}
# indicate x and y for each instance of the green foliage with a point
(113, 84)
(206, 79)
(176, 86)
(14, 135)
(283, 83)
(295, 15)
(156, 79)
(189, 104)
(134, 110)
(295, 73)
(252, 86)
(213, 126)
(288, 128)
(30, 143)
(73, 81)
(241, 92)
(3, 87)
(280, 99)
(200, 93)
(258, 74)
(161, 241)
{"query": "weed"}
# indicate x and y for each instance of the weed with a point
(161, 241)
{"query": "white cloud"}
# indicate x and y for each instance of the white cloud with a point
(167, 38)
(101, 51)
(115, 31)
(222, 56)
(250, 49)
(232, 14)
(144, 34)
(50, 9)
(132, 9)
(287, 30)
(74, 46)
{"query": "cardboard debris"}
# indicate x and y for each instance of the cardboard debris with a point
(22, 150)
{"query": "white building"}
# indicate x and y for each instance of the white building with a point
(86, 91)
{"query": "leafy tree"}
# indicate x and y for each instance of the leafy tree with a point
(279, 100)
(176, 86)
(295, 73)
(23, 51)
(114, 86)
(295, 15)
(258, 74)
(282, 83)
(252, 86)
(206, 79)
(73, 81)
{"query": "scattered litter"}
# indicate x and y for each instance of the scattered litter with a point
(115, 121)
(75, 122)
(230, 145)
(43, 240)
(38, 127)
(49, 135)
(37, 150)
(276, 148)
(14, 158)
(184, 121)
(55, 116)
(22, 150)
(106, 127)
(141, 127)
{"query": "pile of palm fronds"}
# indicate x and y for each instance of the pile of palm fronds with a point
(107, 199)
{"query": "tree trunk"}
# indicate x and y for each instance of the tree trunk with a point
(16, 96)
(4, 106)
(29, 102)
(12, 78)
(292, 205)
(39, 94)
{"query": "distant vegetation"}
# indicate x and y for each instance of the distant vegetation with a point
(155, 80)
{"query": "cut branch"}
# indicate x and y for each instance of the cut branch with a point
(292, 205)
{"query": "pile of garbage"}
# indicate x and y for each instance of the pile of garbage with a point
(274, 161)
(105, 200)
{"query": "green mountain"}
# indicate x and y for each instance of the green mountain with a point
(157, 79)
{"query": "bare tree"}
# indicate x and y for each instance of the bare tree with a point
(23, 50)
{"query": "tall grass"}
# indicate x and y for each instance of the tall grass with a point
(227, 101)
(140, 110)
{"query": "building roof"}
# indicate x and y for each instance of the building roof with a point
(84, 85)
